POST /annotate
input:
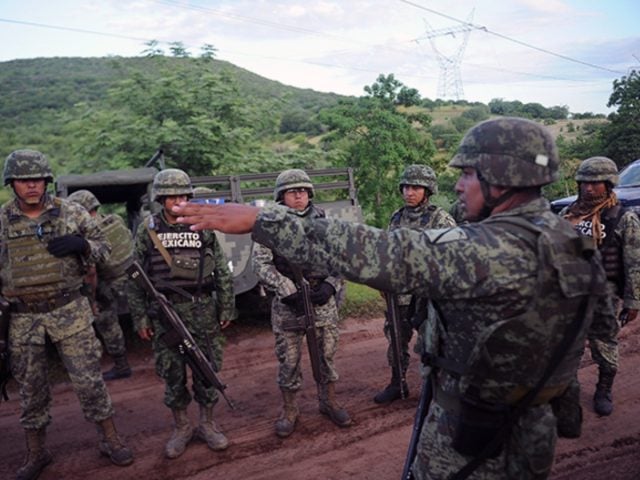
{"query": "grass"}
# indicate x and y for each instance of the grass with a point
(361, 301)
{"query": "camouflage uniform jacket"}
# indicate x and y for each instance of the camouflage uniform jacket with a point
(627, 237)
(479, 274)
(63, 218)
(223, 280)
(262, 262)
(421, 217)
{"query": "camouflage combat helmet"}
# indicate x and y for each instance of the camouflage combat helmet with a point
(293, 178)
(420, 175)
(509, 152)
(25, 164)
(171, 181)
(598, 169)
(85, 198)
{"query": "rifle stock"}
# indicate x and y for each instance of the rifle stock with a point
(426, 396)
(198, 362)
(396, 342)
(309, 324)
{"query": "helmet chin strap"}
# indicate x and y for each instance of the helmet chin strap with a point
(491, 202)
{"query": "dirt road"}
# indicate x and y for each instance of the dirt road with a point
(373, 448)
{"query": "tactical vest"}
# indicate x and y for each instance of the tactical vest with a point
(33, 274)
(424, 218)
(611, 249)
(187, 251)
(314, 276)
(118, 235)
(493, 368)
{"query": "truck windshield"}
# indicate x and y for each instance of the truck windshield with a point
(630, 176)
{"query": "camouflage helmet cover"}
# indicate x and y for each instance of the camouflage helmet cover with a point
(419, 175)
(510, 152)
(171, 181)
(85, 198)
(598, 169)
(293, 178)
(26, 164)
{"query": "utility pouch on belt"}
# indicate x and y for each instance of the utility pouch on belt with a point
(295, 325)
(480, 422)
(188, 268)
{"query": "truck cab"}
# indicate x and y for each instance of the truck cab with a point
(335, 193)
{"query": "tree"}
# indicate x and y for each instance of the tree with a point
(152, 50)
(378, 142)
(622, 135)
(391, 91)
(196, 116)
(178, 50)
(208, 51)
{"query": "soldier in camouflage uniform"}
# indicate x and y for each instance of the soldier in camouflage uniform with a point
(295, 191)
(615, 231)
(109, 280)
(192, 271)
(47, 246)
(509, 287)
(417, 184)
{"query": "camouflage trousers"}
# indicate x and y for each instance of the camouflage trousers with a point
(406, 333)
(69, 328)
(527, 454)
(603, 333)
(201, 320)
(289, 344)
(107, 322)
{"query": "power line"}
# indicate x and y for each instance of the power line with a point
(510, 39)
(72, 29)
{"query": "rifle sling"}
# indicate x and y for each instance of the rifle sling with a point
(156, 241)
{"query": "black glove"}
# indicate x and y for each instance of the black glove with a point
(322, 293)
(67, 245)
(295, 302)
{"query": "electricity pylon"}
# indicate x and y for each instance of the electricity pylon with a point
(449, 79)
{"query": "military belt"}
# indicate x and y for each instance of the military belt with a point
(45, 306)
(193, 297)
(451, 402)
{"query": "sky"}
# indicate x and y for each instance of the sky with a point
(552, 52)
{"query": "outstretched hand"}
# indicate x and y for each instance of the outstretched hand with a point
(233, 218)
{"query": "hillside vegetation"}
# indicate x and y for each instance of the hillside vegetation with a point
(211, 117)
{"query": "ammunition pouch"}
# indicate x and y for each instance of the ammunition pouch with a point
(479, 424)
(171, 338)
(188, 267)
(294, 325)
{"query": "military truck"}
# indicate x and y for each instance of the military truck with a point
(335, 192)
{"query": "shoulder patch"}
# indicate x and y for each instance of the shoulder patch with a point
(444, 235)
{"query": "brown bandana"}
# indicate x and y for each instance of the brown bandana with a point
(590, 208)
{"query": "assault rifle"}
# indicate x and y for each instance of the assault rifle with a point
(426, 396)
(5, 371)
(395, 333)
(309, 324)
(198, 362)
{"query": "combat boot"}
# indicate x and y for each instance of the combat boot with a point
(181, 436)
(287, 421)
(120, 369)
(37, 457)
(602, 398)
(392, 391)
(329, 406)
(209, 432)
(110, 444)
